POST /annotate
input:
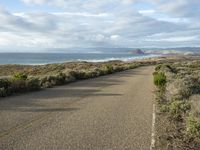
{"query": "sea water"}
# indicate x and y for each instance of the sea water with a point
(49, 58)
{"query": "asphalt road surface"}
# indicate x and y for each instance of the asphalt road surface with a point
(112, 112)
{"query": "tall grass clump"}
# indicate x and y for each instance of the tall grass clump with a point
(160, 79)
(193, 127)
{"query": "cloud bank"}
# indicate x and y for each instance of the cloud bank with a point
(105, 23)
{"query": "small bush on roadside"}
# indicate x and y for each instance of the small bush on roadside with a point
(159, 79)
(69, 78)
(4, 83)
(20, 76)
(118, 68)
(45, 76)
(80, 75)
(47, 84)
(18, 86)
(3, 92)
(33, 84)
(108, 69)
(18, 83)
(193, 126)
(133, 66)
(60, 79)
(184, 90)
(177, 108)
(158, 67)
(92, 74)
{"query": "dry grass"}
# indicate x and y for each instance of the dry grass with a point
(181, 107)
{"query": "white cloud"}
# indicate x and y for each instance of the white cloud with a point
(147, 12)
(83, 14)
(174, 39)
(37, 2)
(115, 37)
(100, 23)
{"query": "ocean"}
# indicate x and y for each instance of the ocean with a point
(49, 58)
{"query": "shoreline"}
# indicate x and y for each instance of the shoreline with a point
(24, 78)
(71, 65)
(35, 61)
(122, 59)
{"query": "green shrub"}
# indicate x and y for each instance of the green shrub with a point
(108, 69)
(158, 67)
(91, 74)
(47, 84)
(79, 75)
(50, 81)
(60, 79)
(53, 80)
(18, 86)
(184, 91)
(20, 76)
(18, 83)
(118, 68)
(3, 92)
(33, 84)
(133, 66)
(193, 126)
(4, 83)
(46, 76)
(43, 79)
(177, 108)
(69, 78)
(159, 79)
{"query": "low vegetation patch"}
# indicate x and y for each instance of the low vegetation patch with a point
(182, 122)
(159, 79)
(193, 127)
(33, 78)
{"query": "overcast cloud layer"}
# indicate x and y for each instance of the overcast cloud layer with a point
(38, 24)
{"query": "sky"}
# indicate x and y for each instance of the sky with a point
(29, 25)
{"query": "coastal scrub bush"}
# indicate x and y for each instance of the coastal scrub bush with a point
(159, 79)
(33, 84)
(4, 83)
(177, 108)
(60, 79)
(184, 90)
(18, 86)
(69, 78)
(43, 82)
(193, 126)
(108, 69)
(158, 67)
(133, 66)
(79, 75)
(20, 76)
(189, 85)
(92, 74)
(18, 82)
(3, 92)
(47, 85)
(4, 87)
(118, 68)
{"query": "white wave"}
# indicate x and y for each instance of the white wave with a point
(121, 58)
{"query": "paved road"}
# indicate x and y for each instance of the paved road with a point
(112, 112)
